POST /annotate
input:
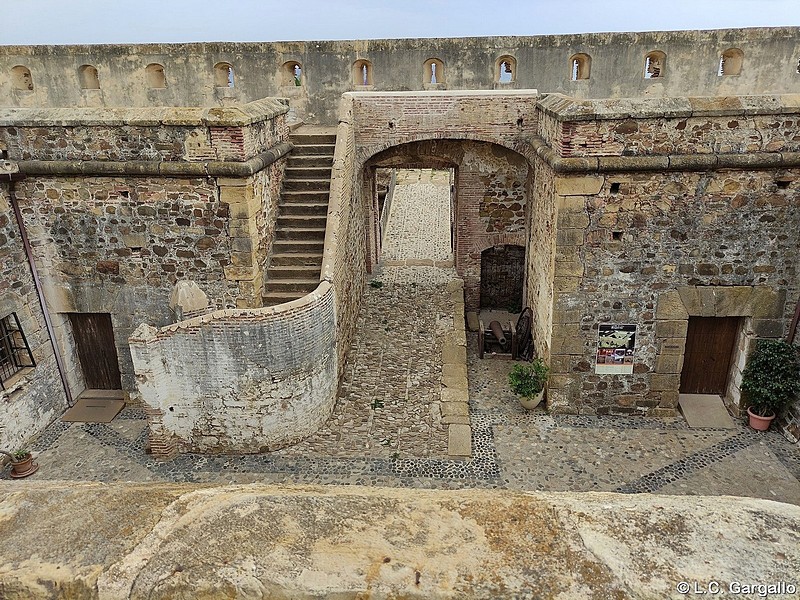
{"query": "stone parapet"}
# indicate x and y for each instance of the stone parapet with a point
(646, 133)
(155, 116)
(178, 540)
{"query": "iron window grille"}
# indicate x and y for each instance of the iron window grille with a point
(15, 353)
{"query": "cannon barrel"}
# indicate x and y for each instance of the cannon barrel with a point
(499, 334)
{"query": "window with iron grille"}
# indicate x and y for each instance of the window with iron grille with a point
(15, 354)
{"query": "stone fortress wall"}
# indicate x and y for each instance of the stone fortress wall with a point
(630, 210)
(602, 65)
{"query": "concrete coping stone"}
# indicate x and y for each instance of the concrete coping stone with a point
(139, 168)
(565, 108)
(217, 116)
(446, 93)
(671, 162)
(454, 396)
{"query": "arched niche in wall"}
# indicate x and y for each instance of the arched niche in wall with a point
(292, 74)
(654, 64)
(156, 77)
(21, 78)
(505, 69)
(223, 75)
(730, 62)
(88, 77)
(433, 73)
(362, 73)
(580, 66)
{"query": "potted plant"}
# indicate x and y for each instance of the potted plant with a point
(22, 463)
(770, 381)
(528, 381)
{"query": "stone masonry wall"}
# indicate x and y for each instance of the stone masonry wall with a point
(129, 134)
(541, 254)
(118, 246)
(657, 244)
(661, 233)
(617, 68)
(35, 397)
(240, 381)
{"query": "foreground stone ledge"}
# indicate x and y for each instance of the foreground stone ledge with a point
(116, 541)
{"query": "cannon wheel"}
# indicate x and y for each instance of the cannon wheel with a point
(523, 331)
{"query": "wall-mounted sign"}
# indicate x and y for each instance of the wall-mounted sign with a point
(615, 346)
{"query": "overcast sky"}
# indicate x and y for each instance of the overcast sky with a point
(125, 21)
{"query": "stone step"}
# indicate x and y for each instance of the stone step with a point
(282, 246)
(302, 221)
(307, 173)
(275, 298)
(305, 196)
(309, 161)
(297, 233)
(312, 138)
(291, 285)
(291, 209)
(311, 259)
(314, 149)
(279, 272)
(311, 185)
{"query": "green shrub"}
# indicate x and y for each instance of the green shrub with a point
(771, 379)
(20, 455)
(528, 380)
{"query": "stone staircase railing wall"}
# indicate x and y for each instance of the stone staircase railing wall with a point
(343, 260)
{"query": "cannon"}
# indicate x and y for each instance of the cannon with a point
(511, 342)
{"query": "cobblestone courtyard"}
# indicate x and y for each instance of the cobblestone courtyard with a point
(385, 428)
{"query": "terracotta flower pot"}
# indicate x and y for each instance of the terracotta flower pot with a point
(758, 422)
(531, 402)
(24, 467)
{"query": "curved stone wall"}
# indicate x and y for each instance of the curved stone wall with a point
(239, 381)
(613, 65)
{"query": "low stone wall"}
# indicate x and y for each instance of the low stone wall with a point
(183, 541)
(240, 381)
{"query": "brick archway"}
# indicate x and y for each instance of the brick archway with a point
(489, 198)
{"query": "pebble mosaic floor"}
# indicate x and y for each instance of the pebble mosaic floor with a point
(384, 430)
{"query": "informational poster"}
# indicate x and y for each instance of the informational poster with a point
(615, 346)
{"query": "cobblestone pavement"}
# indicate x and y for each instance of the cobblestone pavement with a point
(385, 429)
(511, 448)
(418, 227)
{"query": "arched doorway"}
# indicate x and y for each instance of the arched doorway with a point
(502, 277)
(491, 184)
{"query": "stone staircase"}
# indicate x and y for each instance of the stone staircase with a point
(296, 260)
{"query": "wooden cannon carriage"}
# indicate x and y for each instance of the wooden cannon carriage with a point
(511, 342)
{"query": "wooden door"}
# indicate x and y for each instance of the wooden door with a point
(502, 276)
(710, 343)
(94, 342)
